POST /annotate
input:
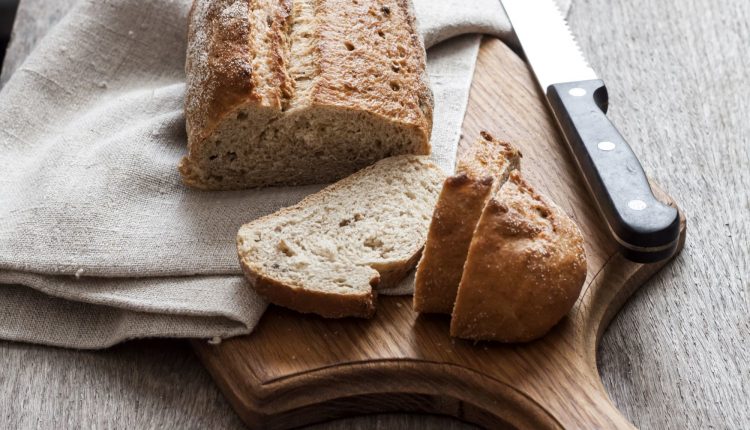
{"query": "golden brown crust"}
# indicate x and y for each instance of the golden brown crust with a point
(368, 58)
(439, 272)
(391, 275)
(327, 305)
(489, 157)
(218, 64)
(525, 268)
(380, 67)
(482, 168)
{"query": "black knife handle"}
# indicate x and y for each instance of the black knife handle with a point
(646, 229)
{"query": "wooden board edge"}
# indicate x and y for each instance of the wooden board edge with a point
(354, 389)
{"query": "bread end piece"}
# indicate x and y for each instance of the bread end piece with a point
(525, 268)
(483, 168)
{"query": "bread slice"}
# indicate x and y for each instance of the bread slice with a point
(325, 254)
(524, 271)
(295, 92)
(480, 171)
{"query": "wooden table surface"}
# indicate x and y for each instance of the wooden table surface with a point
(677, 354)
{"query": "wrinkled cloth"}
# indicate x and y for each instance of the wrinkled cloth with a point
(100, 241)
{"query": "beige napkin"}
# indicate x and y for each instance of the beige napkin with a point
(99, 240)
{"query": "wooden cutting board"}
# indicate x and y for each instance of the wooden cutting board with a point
(297, 369)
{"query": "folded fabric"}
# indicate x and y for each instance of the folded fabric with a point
(100, 241)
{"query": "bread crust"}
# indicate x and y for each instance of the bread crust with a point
(301, 300)
(525, 268)
(233, 64)
(481, 170)
(391, 275)
(439, 272)
(365, 79)
(219, 63)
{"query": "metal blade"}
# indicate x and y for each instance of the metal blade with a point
(547, 42)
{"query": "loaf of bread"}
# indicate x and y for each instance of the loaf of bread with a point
(306, 91)
(325, 254)
(524, 271)
(482, 169)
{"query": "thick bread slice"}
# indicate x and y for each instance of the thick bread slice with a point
(324, 254)
(524, 271)
(480, 171)
(284, 92)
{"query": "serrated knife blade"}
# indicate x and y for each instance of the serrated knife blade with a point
(646, 229)
(547, 42)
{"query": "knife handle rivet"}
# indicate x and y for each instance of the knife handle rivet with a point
(637, 205)
(577, 92)
(606, 146)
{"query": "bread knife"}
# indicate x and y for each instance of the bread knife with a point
(646, 229)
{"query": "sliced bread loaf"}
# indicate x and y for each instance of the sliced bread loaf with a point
(325, 254)
(524, 271)
(479, 172)
(306, 91)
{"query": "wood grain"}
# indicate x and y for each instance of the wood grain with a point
(677, 355)
(295, 370)
(674, 357)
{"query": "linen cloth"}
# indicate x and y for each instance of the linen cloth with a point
(100, 241)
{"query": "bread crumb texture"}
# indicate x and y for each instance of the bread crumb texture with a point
(325, 254)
